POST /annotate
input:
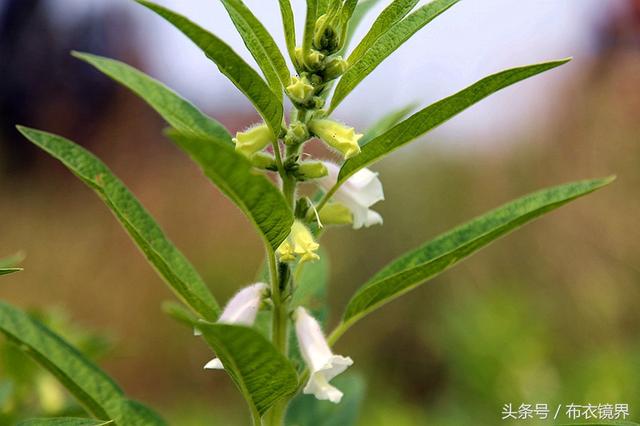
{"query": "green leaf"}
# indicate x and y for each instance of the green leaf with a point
(359, 13)
(387, 19)
(385, 123)
(7, 271)
(437, 113)
(167, 259)
(230, 64)
(177, 111)
(13, 260)
(261, 45)
(385, 45)
(65, 421)
(309, 25)
(253, 193)
(261, 373)
(306, 410)
(96, 391)
(178, 312)
(429, 260)
(289, 27)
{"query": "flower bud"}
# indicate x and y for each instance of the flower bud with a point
(299, 243)
(253, 140)
(326, 36)
(263, 160)
(335, 214)
(335, 68)
(296, 133)
(337, 135)
(308, 170)
(314, 60)
(300, 90)
(298, 58)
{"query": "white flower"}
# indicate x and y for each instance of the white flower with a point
(323, 364)
(241, 309)
(358, 193)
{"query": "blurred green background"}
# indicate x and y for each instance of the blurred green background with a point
(547, 315)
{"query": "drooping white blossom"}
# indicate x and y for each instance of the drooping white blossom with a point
(241, 309)
(358, 194)
(322, 363)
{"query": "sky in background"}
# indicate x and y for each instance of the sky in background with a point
(471, 40)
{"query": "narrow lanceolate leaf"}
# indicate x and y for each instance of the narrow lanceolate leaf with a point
(261, 45)
(7, 271)
(96, 391)
(387, 19)
(385, 45)
(288, 24)
(253, 193)
(437, 113)
(65, 421)
(230, 64)
(309, 25)
(431, 259)
(177, 111)
(359, 13)
(385, 123)
(261, 373)
(163, 255)
(12, 261)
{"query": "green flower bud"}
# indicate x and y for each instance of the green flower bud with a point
(335, 214)
(298, 57)
(253, 140)
(337, 135)
(296, 133)
(318, 102)
(300, 90)
(314, 60)
(262, 160)
(335, 68)
(326, 36)
(308, 170)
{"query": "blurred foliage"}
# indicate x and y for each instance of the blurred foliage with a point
(20, 376)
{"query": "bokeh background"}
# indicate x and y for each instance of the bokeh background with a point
(547, 315)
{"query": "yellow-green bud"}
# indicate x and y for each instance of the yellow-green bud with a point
(308, 170)
(326, 37)
(262, 160)
(337, 135)
(335, 68)
(300, 90)
(314, 60)
(252, 140)
(296, 133)
(335, 214)
(299, 244)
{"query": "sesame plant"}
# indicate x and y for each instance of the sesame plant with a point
(271, 338)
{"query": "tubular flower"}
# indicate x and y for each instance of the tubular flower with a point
(323, 364)
(299, 243)
(337, 135)
(253, 140)
(358, 193)
(242, 310)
